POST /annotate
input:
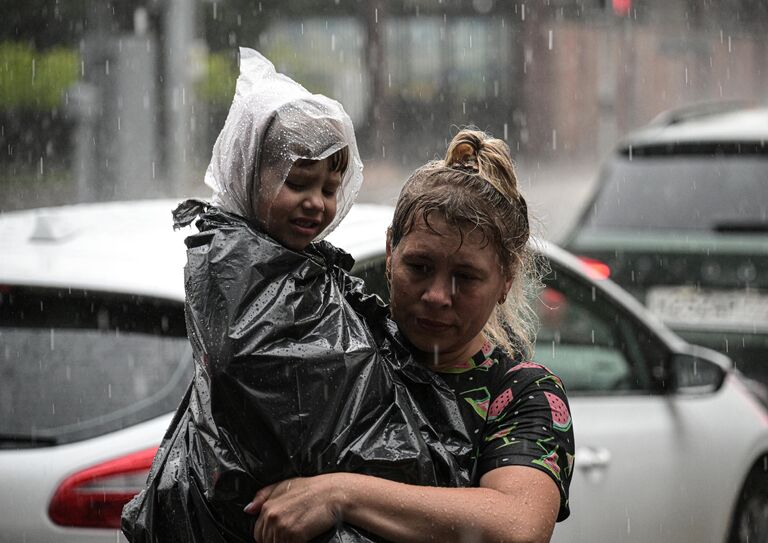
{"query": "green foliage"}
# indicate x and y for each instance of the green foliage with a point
(35, 80)
(217, 86)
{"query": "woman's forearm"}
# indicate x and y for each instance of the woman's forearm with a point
(409, 513)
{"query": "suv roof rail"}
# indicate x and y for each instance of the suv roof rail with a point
(699, 110)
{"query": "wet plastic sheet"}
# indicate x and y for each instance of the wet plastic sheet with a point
(297, 373)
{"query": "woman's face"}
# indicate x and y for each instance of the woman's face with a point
(443, 289)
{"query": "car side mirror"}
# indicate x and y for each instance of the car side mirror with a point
(700, 371)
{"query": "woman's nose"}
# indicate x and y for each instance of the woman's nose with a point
(439, 292)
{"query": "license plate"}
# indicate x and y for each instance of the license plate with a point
(712, 309)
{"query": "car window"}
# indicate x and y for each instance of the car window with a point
(78, 364)
(683, 191)
(588, 340)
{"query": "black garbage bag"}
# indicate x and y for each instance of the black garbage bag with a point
(297, 372)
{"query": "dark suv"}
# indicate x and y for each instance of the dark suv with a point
(679, 218)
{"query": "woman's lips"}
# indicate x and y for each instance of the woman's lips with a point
(432, 325)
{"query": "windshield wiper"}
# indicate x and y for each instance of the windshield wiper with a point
(21, 441)
(741, 226)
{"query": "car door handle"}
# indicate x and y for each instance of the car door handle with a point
(589, 458)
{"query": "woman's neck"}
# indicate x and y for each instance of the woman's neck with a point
(445, 360)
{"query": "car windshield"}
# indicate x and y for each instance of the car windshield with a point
(683, 191)
(76, 365)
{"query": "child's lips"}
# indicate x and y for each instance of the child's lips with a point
(306, 226)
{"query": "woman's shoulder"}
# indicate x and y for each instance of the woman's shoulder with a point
(523, 371)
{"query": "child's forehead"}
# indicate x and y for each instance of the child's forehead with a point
(310, 169)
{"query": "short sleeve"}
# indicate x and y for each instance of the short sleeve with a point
(529, 424)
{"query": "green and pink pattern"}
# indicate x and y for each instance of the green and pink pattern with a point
(499, 403)
(561, 417)
(479, 399)
(549, 460)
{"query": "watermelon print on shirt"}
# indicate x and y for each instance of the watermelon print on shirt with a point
(518, 414)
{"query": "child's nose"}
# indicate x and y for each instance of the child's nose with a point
(314, 201)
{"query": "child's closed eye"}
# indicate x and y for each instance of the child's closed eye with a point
(293, 185)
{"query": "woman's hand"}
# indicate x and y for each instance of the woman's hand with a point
(295, 510)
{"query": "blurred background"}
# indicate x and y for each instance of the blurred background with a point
(108, 100)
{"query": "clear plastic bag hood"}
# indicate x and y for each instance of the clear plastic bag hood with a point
(271, 108)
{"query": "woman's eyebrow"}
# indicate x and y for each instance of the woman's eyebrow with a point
(416, 253)
(468, 266)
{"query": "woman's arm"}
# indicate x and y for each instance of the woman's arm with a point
(512, 504)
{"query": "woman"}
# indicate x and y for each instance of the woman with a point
(457, 262)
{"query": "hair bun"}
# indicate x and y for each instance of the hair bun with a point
(477, 152)
(464, 156)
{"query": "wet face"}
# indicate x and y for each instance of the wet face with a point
(443, 290)
(305, 204)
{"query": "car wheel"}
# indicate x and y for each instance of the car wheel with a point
(750, 523)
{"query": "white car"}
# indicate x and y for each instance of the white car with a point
(671, 444)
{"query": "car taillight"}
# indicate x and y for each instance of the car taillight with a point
(95, 496)
(595, 269)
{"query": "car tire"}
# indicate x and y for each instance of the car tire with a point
(750, 521)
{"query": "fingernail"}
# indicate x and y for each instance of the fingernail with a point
(248, 508)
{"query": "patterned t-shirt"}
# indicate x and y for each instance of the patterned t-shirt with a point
(518, 414)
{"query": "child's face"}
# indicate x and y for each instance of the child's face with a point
(305, 204)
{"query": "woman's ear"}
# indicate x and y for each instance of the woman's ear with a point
(505, 290)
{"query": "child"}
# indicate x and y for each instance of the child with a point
(297, 372)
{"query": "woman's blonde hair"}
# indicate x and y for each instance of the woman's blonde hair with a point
(476, 186)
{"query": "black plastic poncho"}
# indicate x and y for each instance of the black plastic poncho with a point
(297, 372)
